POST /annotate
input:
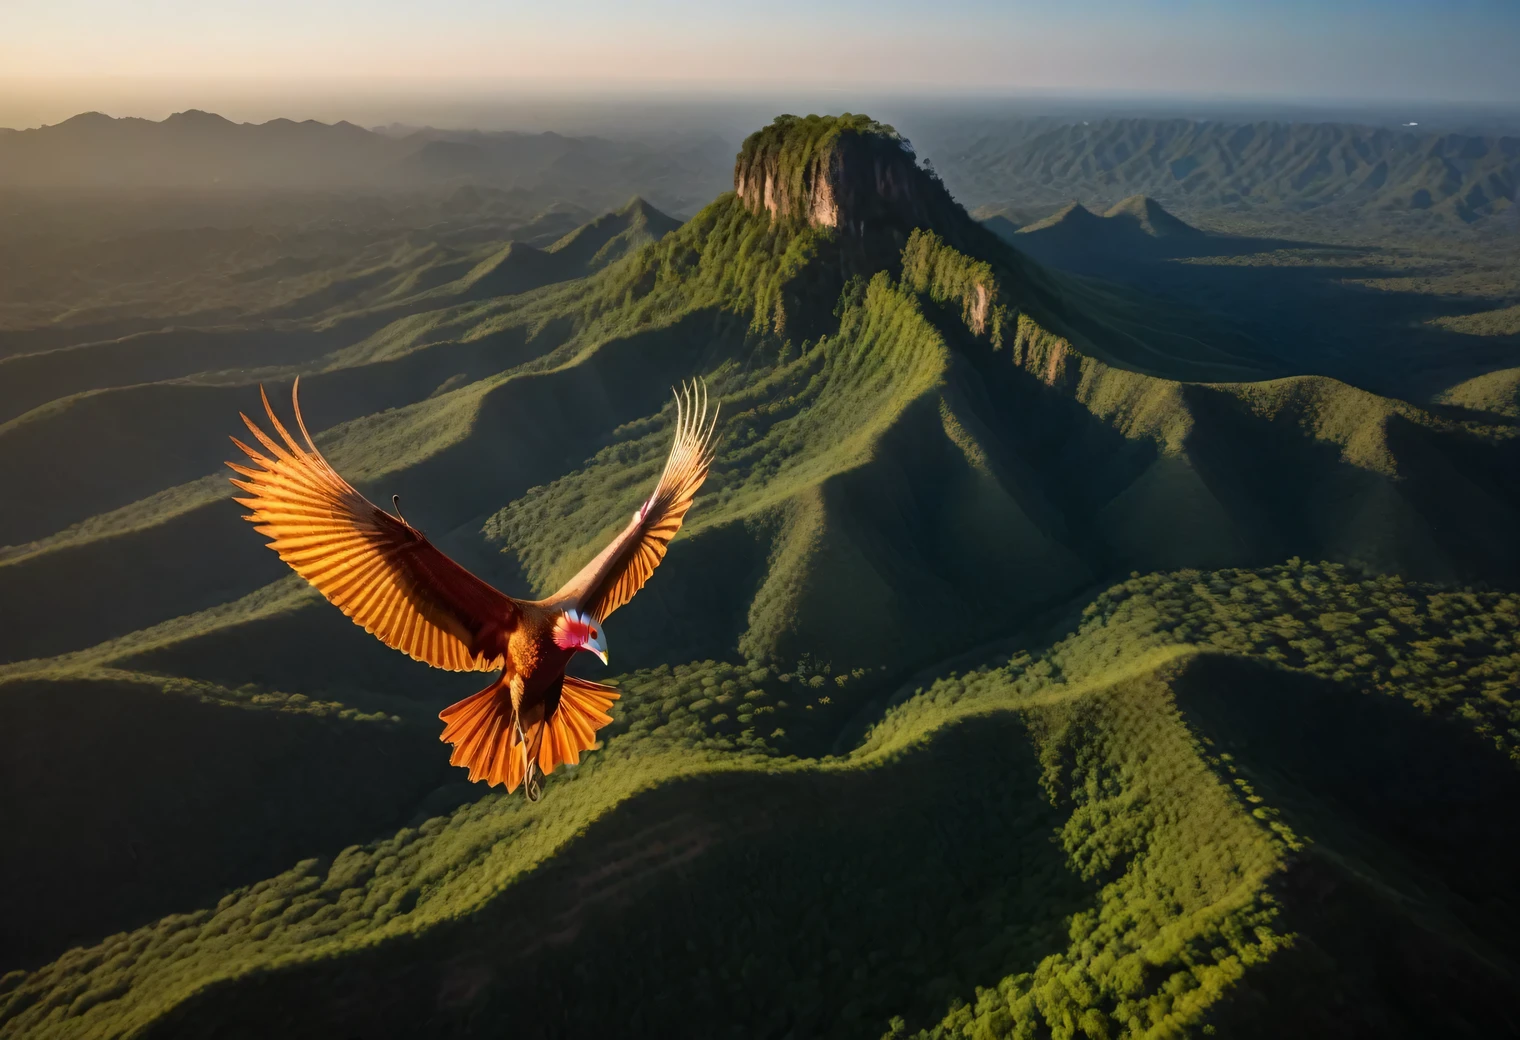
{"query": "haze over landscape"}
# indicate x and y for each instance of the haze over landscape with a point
(522, 65)
(1099, 620)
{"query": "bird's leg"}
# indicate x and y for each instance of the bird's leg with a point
(532, 788)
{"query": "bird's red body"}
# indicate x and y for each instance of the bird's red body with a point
(385, 575)
(532, 652)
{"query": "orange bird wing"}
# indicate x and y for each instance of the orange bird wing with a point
(622, 568)
(379, 570)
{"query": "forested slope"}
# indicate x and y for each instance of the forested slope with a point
(900, 747)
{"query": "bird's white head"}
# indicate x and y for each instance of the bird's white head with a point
(577, 631)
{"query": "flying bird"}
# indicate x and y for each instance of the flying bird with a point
(385, 575)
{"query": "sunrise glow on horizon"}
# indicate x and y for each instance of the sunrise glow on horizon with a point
(140, 59)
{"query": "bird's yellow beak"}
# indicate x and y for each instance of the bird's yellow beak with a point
(602, 654)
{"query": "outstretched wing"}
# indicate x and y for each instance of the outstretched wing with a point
(376, 568)
(622, 568)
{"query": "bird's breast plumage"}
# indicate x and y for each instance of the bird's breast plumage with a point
(531, 650)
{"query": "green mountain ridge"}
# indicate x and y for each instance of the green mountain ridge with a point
(933, 448)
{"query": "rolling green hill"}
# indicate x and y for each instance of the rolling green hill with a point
(1493, 391)
(1040, 659)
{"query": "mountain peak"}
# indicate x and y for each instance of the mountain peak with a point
(1151, 217)
(1073, 214)
(88, 119)
(847, 171)
(197, 117)
(1137, 221)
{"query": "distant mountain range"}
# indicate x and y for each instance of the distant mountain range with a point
(1193, 166)
(1197, 165)
(201, 149)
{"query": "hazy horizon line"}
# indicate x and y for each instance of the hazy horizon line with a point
(470, 104)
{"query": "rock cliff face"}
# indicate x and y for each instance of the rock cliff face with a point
(846, 172)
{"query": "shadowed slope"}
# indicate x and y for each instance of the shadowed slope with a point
(189, 796)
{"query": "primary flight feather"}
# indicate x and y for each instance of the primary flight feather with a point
(385, 575)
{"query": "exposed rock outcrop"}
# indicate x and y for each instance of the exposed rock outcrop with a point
(846, 172)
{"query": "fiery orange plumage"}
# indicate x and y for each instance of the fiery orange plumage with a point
(386, 576)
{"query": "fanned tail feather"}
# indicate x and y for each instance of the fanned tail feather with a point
(583, 709)
(483, 729)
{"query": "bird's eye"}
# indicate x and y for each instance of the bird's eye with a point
(593, 634)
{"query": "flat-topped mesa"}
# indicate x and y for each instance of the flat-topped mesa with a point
(848, 172)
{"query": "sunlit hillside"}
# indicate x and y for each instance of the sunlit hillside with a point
(1044, 657)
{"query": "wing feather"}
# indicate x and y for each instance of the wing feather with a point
(622, 568)
(376, 568)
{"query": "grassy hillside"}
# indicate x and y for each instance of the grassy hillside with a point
(1491, 392)
(1208, 859)
(900, 750)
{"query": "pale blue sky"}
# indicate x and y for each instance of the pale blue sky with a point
(138, 56)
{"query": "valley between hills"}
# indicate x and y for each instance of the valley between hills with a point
(1090, 627)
